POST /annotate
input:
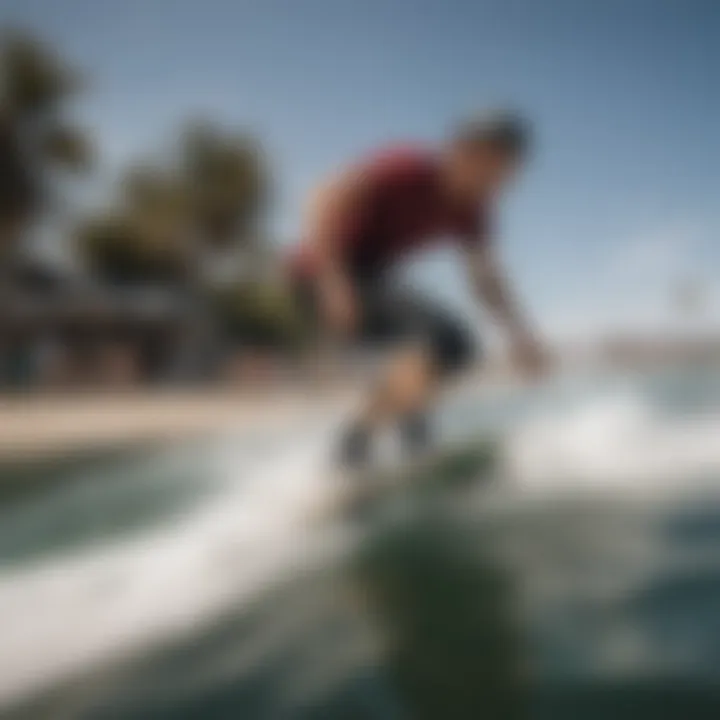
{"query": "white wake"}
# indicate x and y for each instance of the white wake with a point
(63, 615)
(620, 441)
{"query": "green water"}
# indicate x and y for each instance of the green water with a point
(52, 507)
(422, 621)
(582, 608)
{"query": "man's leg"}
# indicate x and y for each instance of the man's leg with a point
(451, 351)
(403, 390)
(434, 347)
(405, 387)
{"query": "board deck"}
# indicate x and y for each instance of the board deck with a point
(452, 466)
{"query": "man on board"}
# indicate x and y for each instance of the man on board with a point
(374, 214)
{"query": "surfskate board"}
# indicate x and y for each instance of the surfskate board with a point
(362, 494)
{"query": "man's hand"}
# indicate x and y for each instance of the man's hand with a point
(339, 306)
(492, 288)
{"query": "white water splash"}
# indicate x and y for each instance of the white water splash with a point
(62, 616)
(615, 441)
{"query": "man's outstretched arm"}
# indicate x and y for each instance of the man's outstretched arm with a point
(494, 292)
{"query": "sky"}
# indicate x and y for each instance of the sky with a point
(618, 205)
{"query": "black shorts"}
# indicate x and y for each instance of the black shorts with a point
(394, 315)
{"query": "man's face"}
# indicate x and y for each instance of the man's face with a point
(482, 170)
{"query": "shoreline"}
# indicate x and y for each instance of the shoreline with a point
(48, 426)
(41, 428)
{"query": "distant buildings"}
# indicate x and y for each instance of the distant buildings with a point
(654, 350)
(60, 330)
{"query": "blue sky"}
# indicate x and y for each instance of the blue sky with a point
(620, 200)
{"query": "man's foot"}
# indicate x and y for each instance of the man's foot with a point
(416, 434)
(355, 447)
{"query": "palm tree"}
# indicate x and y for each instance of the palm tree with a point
(168, 221)
(226, 184)
(178, 224)
(144, 238)
(122, 249)
(34, 138)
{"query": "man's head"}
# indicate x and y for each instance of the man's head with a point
(486, 152)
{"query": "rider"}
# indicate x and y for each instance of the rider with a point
(375, 213)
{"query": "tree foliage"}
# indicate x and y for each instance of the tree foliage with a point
(262, 312)
(35, 139)
(120, 249)
(209, 196)
(225, 179)
(35, 78)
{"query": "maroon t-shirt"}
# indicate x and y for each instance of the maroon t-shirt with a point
(403, 209)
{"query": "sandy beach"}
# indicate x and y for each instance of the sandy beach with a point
(42, 426)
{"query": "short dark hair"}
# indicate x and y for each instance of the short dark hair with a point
(505, 130)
